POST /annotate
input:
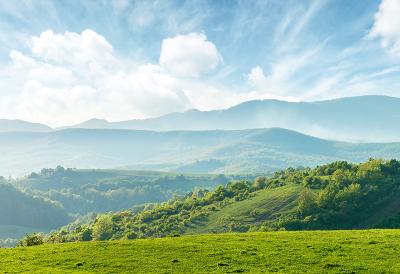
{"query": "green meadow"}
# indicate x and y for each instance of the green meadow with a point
(341, 251)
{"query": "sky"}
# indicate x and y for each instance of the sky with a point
(63, 62)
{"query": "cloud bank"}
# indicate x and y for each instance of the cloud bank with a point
(122, 60)
(70, 77)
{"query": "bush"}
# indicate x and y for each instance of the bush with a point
(31, 240)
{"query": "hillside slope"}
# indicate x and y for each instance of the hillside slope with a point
(46, 200)
(339, 195)
(369, 251)
(81, 191)
(266, 204)
(339, 119)
(21, 213)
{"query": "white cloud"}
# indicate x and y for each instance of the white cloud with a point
(257, 77)
(189, 55)
(147, 91)
(41, 103)
(28, 69)
(387, 26)
(67, 78)
(87, 49)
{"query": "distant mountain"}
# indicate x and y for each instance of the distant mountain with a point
(94, 123)
(364, 118)
(216, 151)
(19, 125)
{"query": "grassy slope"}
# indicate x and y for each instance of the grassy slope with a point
(268, 203)
(372, 251)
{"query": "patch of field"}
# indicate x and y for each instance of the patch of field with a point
(362, 251)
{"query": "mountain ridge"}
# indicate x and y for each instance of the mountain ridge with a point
(9, 125)
(338, 119)
(214, 151)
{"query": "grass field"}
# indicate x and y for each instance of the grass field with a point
(362, 251)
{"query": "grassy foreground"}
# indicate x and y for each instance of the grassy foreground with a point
(370, 251)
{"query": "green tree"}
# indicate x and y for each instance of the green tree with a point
(31, 240)
(307, 202)
(103, 228)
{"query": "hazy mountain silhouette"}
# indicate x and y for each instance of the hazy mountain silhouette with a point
(19, 125)
(364, 118)
(217, 151)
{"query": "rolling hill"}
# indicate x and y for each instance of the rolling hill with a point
(81, 191)
(216, 151)
(21, 213)
(54, 197)
(339, 195)
(338, 119)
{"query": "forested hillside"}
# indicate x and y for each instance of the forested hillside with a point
(53, 197)
(21, 212)
(339, 195)
(82, 191)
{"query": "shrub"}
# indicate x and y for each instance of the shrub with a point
(31, 240)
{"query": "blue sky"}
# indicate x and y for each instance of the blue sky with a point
(63, 62)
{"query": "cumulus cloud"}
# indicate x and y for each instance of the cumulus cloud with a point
(86, 48)
(70, 77)
(31, 69)
(41, 103)
(189, 55)
(387, 26)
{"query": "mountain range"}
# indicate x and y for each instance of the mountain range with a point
(214, 151)
(363, 118)
(7, 125)
(252, 137)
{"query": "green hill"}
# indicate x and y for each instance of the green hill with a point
(363, 251)
(54, 197)
(23, 210)
(22, 213)
(339, 195)
(81, 191)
